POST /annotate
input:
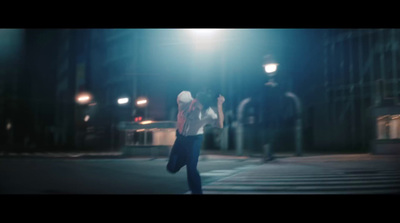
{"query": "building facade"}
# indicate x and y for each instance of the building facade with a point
(13, 91)
(109, 64)
(359, 107)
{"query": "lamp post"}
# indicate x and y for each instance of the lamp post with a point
(122, 102)
(84, 100)
(142, 102)
(299, 123)
(271, 67)
(239, 127)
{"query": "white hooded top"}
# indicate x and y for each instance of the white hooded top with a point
(191, 120)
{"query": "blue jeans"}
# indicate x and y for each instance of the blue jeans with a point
(186, 151)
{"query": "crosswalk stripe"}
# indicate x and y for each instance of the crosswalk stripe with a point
(332, 178)
(389, 191)
(383, 181)
(297, 187)
(257, 181)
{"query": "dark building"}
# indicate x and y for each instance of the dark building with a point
(125, 63)
(13, 89)
(109, 64)
(41, 70)
(356, 96)
(72, 78)
(347, 81)
(28, 86)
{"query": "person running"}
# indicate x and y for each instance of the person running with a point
(193, 115)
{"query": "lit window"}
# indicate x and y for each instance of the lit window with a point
(388, 127)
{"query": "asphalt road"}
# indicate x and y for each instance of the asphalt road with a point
(38, 175)
(312, 174)
(327, 174)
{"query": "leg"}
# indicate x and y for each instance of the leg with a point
(177, 157)
(193, 176)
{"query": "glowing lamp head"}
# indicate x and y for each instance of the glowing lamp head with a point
(271, 68)
(122, 101)
(141, 102)
(83, 98)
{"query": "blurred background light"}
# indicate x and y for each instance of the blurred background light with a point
(83, 98)
(141, 102)
(204, 32)
(122, 101)
(271, 68)
(146, 122)
(138, 119)
(205, 39)
(8, 126)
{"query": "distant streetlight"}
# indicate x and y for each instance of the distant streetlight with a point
(122, 101)
(83, 98)
(141, 102)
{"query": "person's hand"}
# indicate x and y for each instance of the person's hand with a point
(221, 99)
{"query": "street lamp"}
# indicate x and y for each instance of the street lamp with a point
(122, 101)
(270, 68)
(141, 102)
(83, 98)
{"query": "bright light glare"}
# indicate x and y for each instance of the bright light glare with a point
(270, 68)
(123, 101)
(203, 32)
(141, 102)
(83, 98)
(87, 117)
(146, 122)
(206, 39)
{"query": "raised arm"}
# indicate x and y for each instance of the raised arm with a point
(221, 100)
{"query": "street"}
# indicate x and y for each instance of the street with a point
(38, 175)
(221, 174)
(319, 174)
